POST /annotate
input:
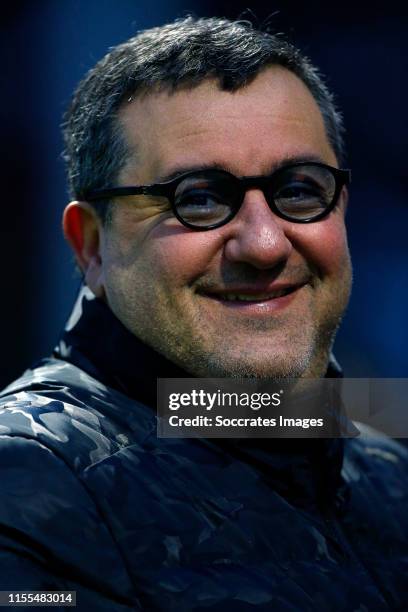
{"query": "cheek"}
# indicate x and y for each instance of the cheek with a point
(324, 245)
(178, 259)
(159, 254)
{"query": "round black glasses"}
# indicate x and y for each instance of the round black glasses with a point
(301, 192)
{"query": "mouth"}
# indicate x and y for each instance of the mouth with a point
(259, 297)
(252, 301)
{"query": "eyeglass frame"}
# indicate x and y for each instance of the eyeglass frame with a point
(168, 190)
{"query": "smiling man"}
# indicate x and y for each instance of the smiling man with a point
(208, 219)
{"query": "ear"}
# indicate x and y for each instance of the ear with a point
(83, 231)
(344, 198)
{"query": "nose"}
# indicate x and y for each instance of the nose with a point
(256, 235)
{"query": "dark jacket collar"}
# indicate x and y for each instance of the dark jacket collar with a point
(97, 342)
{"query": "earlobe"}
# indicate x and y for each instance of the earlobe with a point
(82, 230)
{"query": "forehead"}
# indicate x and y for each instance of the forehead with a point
(246, 131)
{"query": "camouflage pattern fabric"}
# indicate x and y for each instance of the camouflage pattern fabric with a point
(92, 501)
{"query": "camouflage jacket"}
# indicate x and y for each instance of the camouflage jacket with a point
(93, 501)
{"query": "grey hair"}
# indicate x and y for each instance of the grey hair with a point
(179, 54)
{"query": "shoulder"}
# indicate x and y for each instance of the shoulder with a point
(50, 518)
(72, 414)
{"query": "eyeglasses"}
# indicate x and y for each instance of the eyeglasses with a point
(300, 192)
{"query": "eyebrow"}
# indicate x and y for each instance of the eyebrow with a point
(287, 160)
(173, 174)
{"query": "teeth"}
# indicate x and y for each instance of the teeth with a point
(242, 297)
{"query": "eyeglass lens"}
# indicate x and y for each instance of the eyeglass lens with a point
(303, 192)
(210, 197)
(207, 198)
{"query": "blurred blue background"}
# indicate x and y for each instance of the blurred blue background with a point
(47, 46)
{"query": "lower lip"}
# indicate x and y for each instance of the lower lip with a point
(263, 307)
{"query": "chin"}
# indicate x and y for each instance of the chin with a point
(269, 366)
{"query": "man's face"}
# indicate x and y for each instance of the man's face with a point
(172, 286)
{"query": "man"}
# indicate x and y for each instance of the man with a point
(205, 162)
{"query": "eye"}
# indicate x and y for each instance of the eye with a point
(300, 199)
(197, 198)
(206, 198)
(303, 191)
(201, 205)
(300, 190)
